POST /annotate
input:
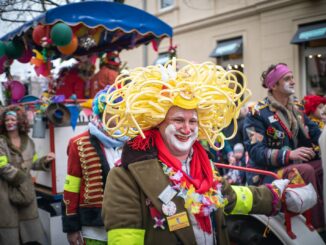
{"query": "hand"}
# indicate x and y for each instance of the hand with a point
(75, 238)
(280, 184)
(231, 159)
(304, 154)
(50, 157)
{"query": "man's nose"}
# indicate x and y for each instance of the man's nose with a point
(292, 81)
(186, 128)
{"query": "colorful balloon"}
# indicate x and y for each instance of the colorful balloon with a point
(70, 48)
(61, 34)
(26, 57)
(14, 49)
(2, 49)
(17, 89)
(38, 33)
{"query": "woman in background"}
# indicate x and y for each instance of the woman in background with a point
(20, 223)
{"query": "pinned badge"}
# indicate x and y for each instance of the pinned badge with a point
(272, 119)
(159, 223)
(167, 194)
(169, 209)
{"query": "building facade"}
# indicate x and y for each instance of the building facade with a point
(247, 35)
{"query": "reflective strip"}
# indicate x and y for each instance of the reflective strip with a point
(3, 161)
(72, 184)
(35, 157)
(244, 200)
(126, 236)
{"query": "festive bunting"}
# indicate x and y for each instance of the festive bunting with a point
(74, 113)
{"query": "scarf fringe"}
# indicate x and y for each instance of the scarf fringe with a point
(140, 144)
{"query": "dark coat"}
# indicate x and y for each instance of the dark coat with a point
(269, 138)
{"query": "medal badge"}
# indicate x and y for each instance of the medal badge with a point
(169, 209)
(178, 221)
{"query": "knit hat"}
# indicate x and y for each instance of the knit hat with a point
(99, 101)
(111, 58)
(238, 147)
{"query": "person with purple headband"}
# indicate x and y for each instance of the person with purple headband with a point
(281, 138)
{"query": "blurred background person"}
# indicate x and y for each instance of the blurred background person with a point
(109, 70)
(20, 223)
(315, 109)
(234, 176)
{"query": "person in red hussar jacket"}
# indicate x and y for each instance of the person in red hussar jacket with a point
(91, 155)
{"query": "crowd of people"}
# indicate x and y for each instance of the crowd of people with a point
(142, 172)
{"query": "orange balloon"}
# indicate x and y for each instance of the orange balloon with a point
(71, 47)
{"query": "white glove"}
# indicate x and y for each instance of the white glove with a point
(281, 184)
(299, 200)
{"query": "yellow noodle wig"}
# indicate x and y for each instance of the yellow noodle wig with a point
(146, 94)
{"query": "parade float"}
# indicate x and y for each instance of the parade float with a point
(83, 31)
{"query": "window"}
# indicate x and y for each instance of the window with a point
(312, 40)
(165, 4)
(315, 67)
(162, 58)
(228, 53)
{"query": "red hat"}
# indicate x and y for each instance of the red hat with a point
(311, 102)
(112, 58)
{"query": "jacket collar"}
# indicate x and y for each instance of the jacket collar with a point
(289, 115)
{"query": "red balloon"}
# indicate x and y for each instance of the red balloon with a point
(3, 60)
(38, 33)
(26, 57)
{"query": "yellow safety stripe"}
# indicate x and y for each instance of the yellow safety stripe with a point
(35, 157)
(3, 161)
(244, 200)
(126, 237)
(72, 184)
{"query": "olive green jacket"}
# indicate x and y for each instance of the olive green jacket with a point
(124, 205)
(15, 169)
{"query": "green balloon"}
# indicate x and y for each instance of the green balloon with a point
(61, 34)
(14, 49)
(2, 49)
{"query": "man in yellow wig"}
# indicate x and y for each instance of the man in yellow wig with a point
(166, 190)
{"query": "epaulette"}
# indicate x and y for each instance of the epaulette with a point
(299, 104)
(256, 108)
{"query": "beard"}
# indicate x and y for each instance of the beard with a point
(175, 144)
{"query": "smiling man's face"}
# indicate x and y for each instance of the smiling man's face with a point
(179, 130)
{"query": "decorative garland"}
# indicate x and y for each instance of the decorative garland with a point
(197, 203)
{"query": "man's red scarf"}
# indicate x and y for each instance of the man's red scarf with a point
(201, 173)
